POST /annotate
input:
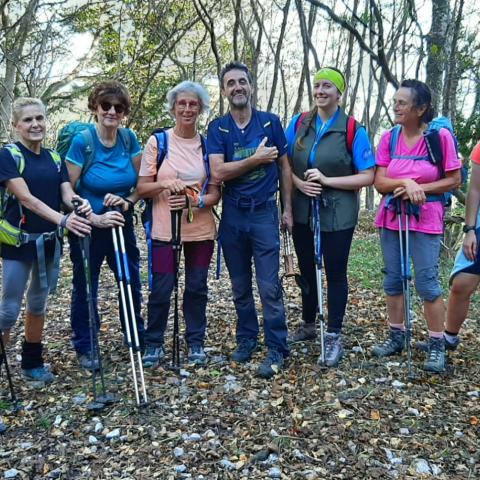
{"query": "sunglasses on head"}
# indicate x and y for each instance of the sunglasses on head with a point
(106, 106)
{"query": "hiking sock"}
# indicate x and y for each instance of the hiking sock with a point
(437, 335)
(32, 355)
(450, 337)
(397, 326)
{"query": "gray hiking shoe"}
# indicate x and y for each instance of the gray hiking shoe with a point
(87, 362)
(153, 356)
(304, 333)
(245, 348)
(272, 364)
(449, 345)
(333, 350)
(197, 355)
(38, 374)
(392, 345)
(435, 361)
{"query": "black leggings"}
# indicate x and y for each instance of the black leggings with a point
(335, 250)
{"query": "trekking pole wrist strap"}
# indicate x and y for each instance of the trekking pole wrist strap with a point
(63, 221)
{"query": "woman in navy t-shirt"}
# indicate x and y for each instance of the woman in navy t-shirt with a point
(39, 181)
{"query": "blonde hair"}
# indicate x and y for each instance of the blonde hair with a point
(20, 103)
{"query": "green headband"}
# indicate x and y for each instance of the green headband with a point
(332, 76)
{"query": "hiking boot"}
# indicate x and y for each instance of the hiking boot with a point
(245, 348)
(394, 344)
(304, 333)
(272, 363)
(435, 361)
(153, 356)
(449, 345)
(38, 374)
(86, 361)
(333, 350)
(197, 355)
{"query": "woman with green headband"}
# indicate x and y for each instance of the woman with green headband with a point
(332, 160)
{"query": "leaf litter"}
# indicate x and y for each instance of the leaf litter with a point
(366, 419)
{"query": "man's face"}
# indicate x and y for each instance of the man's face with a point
(237, 89)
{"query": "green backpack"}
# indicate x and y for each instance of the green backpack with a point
(13, 234)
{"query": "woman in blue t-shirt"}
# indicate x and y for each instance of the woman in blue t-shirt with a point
(331, 161)
(38, 179)
(108, 180)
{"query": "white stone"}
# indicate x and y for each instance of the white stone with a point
(178, 452)
(113, 434)
(12, 473)
(422, 467)
(92, 439)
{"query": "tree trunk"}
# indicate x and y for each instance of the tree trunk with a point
(436, 45)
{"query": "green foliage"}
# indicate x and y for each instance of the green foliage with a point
(468, 132)
(365, 262)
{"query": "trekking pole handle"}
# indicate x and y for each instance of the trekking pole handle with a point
(77, 203)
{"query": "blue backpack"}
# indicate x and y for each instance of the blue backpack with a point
(161, 137)
(435, 152)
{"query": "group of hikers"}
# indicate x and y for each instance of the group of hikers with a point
(318, 165)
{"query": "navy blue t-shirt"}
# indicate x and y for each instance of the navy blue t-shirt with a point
(43, 178)
(224, 137)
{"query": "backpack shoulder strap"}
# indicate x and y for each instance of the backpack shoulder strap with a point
(394, 134)
(17, 156)
(126, 137)
(162, 147)
(206, 163)
(300, 120)
(55, 156)
(352, 126)
(88, 152)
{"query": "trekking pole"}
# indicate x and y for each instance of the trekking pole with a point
(129, 314)
(287, 254)
(7, 371)
(405, 269)
(176, 217)
(408, 278)
(98, 402)
(315, 206)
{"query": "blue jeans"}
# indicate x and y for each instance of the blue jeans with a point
(101, 247)
(195, 295)
(247, 234)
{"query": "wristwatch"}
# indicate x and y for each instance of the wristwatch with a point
(468, 228)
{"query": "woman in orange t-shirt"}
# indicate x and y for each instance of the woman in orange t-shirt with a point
(465, 276)
(183, 170)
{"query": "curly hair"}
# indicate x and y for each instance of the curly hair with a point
(109, 89)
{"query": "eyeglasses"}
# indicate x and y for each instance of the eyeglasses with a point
(106, 106)
(183, 104)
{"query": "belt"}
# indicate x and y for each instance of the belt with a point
(250, 203)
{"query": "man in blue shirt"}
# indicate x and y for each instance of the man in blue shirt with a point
(248, 152)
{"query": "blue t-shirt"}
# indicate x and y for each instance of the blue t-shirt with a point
(224, 137)
(43, 178)
(111, 170)
(363, 157)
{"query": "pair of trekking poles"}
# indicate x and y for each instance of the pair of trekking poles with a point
(401, 208)
(131, 331)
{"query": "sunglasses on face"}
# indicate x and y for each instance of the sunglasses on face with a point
(183, 104)
(106, 106)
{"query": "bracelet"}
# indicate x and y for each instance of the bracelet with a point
(63, 221)
(201, 201)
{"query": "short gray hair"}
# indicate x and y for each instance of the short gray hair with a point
(21, 102)
(189, 87)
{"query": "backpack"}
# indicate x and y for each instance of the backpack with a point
(161, 137)
(435, 152)
(352, 126)
(68, 132)
(14, 235)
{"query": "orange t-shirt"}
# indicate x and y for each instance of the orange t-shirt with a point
(184, 160)
(475, 155)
